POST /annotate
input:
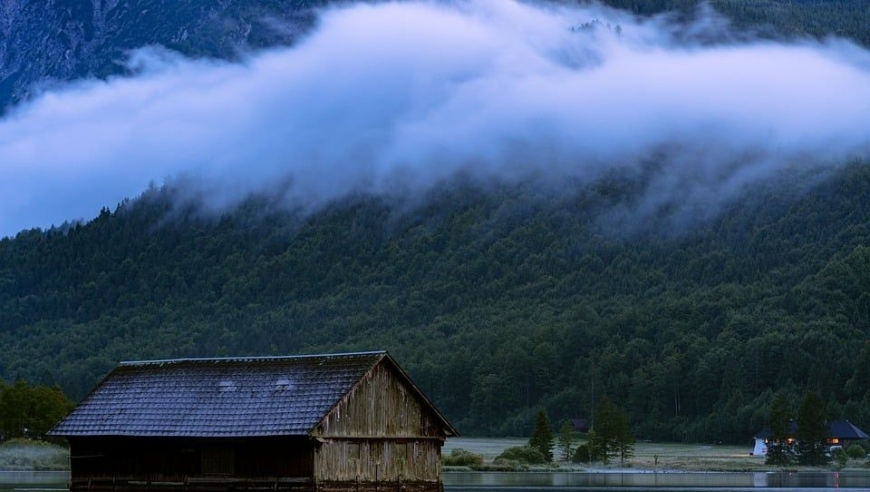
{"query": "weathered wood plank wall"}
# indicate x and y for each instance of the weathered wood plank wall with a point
(380, 405)
(379, 461)
(379, 432)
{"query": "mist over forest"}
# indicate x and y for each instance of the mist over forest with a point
(528, 204)
(393, 99)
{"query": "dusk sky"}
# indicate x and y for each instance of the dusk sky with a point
(410, 93)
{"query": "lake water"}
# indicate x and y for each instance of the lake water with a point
(567, 482)
(33, 481)
(659, 482)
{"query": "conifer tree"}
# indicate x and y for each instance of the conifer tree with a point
(624, 437)
(542, 435)
(779, 450)
(812, 432)
(612, 435)
(566, 440)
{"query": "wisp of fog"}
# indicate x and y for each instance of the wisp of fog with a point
(399, 97)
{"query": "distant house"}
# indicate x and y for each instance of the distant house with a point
(840, 433)
(309, 423)
(580, 425)
(844, 433)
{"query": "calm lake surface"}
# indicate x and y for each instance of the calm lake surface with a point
(566, 482)
(659, 482)
(28, 480)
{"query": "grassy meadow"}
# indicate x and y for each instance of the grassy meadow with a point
(647, 456)
(27, 455)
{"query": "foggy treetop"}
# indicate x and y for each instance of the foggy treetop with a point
(394, 98)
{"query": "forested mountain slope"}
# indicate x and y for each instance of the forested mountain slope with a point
(497, 301)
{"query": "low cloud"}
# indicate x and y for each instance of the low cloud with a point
(393, 96)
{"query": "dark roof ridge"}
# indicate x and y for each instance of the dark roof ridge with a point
(247, 359)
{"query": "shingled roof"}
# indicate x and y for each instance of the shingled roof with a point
(235, 397)
(841, 429)
(844, 429)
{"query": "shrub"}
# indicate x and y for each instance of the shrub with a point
(521, 454)
(840, 457)
(855, 451)
(462, 457)
(583, 453)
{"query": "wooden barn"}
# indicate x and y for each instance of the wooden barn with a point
(309, 423)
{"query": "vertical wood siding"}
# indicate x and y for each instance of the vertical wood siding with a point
(380, 405)
(380, 432)
(379, 460)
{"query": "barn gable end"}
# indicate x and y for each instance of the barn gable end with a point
(383, 403)
(382, 430)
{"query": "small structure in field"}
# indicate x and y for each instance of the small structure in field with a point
(352, 422)
(840, 433)
(580, 424)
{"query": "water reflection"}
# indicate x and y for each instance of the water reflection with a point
(31, 480)
(720, 481)
(564, 481)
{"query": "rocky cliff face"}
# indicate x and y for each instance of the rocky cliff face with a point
(43, 43)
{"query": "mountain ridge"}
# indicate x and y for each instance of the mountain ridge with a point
(44, 46)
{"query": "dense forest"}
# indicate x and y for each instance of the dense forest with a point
(28, 411)
(498, 300)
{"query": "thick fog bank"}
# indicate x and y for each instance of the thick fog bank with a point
(395, 98)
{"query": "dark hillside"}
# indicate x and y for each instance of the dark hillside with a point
(46, 43)
(772, 18)
(497, 302)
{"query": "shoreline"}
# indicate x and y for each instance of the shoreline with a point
(648, 457)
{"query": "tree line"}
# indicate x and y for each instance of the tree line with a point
(609, 439)
(498, 301)
(29, 411)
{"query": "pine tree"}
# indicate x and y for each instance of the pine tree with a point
(566, 440)
(779, 450)
(542, 435)
(812, 432)
(624, 437)
(612, 435)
